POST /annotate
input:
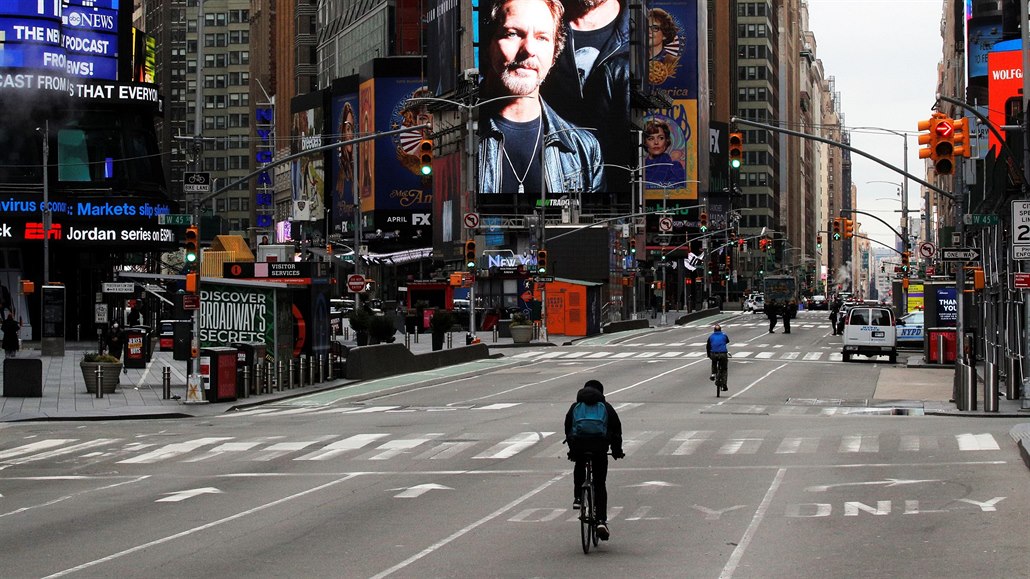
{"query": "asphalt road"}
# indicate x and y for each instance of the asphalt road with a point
(461, 473)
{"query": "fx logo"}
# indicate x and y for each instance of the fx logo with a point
(35, 231)
(420, 219)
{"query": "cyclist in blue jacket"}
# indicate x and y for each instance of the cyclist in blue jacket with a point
(719, 354)
(592, 393)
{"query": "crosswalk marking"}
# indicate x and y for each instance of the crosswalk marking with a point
(341, 446)
(513, 445)
(540, 445)
(976, 442)
(172, 450)
(812, 356)
(764, 355)
(497, 406)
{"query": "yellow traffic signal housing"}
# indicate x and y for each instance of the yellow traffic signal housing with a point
(541, 261)
(425, 156)
(836, 228)
(704, 222)
(849, 228)
(192, 244)
(926, 139)
(905, 261)
(470, 254)
(633, 245)
(942, 144)
(960, 137)
(736, 149)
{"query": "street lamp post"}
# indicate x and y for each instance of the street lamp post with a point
(665, 207)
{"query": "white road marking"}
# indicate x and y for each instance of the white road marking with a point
(976, 442)
(35, 446)
(172, 450)
(514, 445)
(738, 552)
(341, 446)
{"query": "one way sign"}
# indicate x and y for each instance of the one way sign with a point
(960, 254)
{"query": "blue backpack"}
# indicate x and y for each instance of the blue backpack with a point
(590, 420)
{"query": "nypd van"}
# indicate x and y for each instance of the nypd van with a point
(870, 331)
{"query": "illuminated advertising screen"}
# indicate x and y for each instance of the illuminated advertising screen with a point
(443, 20)
(343, 124)
(574, 144)
(400, 185)
(84, 220)
(671, 139)
(1004, 82)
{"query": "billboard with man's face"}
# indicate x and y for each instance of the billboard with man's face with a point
(585, 150)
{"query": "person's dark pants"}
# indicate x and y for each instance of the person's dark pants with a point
(772, 323)
(579, 473)
(786, 323)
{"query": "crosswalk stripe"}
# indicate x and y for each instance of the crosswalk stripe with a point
(859, 443)
(397, 447)
(599, 354)
(498, 406)
(623, 354)
(812, 356)
(670, 354)
(513, 445)
(646, 354)
(172, 450)
(686, 442)
(976, 442)
(35, 446)
(341, 446)
(764, 355)
(743, 354)
(797, 445)
(221, 449)
(447, 449)
(791, 355)
(62, 451)
(746, 442)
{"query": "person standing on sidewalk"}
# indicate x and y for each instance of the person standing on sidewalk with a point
(10, 328)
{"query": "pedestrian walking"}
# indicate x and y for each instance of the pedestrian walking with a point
(10, 328)
(114, 341)
(790, 310)
(834, 313)
(772, 311)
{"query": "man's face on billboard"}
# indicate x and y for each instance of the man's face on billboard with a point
(523, 47)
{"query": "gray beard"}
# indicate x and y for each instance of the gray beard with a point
(519, 86)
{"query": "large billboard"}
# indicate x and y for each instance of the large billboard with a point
(577, 144)
(443, 21)
(344, 123)
(1004, 83)
(389, 177)
(308, 171)
(671, 138)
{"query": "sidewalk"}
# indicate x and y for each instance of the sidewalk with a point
(140, 393)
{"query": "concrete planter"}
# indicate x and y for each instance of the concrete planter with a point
(112, 375)
(521, 334)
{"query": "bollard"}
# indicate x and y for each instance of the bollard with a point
(346, 333)
(100, 381)
(940, 349)
(290, 374)
(968, 392)
(312, 362)
(246, 381)
(329, 370)
(321, 369)
(416, 335)
(990, 387)
(166, 383)
(259, 377)
(494, 336)
(303, 370)
(1013, 378)
(279, 376)
(407, 339)
(450, 340)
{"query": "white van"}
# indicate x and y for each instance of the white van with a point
(870, 331)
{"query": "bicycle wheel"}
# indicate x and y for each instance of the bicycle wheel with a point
(586, 515)
(593, 517)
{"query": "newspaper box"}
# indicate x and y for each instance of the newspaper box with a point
(218, 372)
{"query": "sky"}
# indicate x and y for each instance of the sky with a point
(883, 55)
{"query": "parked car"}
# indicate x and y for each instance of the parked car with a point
(758, 303)
(818, 303)
(870, 331)
(910, 330)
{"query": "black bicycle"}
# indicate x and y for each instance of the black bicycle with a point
(720, 367)
(587, 514)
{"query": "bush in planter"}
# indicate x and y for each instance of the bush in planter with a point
(520, 319)
(521, 328)
(381, 329)
(112, 371)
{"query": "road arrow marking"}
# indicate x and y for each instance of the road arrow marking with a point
(651, 487)
(183, 495)
(418, 490)
(891, 482)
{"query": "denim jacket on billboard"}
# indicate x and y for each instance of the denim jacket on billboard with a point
(572, 157)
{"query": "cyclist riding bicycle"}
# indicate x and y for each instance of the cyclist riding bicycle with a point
(719, 354)
(591, 426)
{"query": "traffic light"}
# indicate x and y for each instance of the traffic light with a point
(633, 245)
(849, 228)
(704, 222)
(960, 137)
(736, 149)
(926, 139)
(541, 261)
(818, 241)
(942, 144)
(192, 283)
(192, 244)
(425, 157)
(763, 244)
(836, 228)
(742, 244)
(904, 262)
(470, 254)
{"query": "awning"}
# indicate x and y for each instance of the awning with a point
(395, 258)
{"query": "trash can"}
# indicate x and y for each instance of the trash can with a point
(949, 344)
(218, 373)
(137, 346)
(248, 355)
